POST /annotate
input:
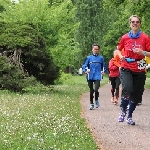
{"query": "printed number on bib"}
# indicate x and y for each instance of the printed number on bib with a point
(141, 64)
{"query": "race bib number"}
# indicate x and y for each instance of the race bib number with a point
(141, 64)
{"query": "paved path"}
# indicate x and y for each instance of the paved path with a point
(111, 134)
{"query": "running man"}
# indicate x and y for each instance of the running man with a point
(94, 67)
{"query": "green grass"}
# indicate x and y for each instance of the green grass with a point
(45, 118)
(147, 82)
(148, 74)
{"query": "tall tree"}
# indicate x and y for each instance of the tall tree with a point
(36, 31)
(89, 14)
(64, 53)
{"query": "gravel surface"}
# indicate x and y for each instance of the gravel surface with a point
(111, 134)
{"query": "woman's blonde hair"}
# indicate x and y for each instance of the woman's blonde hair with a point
(134, 16)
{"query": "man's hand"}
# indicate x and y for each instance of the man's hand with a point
(138, 51)
(118, 52)
(88, 71)
(122, 58)
(102, 72)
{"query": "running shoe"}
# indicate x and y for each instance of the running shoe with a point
(138, 104)
(91, 107)
(96, 103)
(121, 117)
(130, 121)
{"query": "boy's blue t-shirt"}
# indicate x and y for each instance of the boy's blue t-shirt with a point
(96, 64)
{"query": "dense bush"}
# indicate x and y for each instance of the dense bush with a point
(62, 78)
(11, 76)
(34, 56)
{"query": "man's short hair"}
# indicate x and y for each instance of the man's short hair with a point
(95, 44)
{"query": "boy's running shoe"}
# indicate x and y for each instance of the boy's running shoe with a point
(139, 104)
(96, 103)
(91, 107)
(130, 121)
(121, 117)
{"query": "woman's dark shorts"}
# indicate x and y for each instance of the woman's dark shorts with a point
(132, 84)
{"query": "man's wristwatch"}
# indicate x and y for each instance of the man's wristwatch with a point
(144, 53)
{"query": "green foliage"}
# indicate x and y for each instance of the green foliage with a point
(142, 8)
(148, 74)
(147, 82)
(73, 80)
(63, 78)
(65, 52)
(55, 24)
(114, 34)
(36, 60)
(116, 3)
(4, 5)
(35, 87)
(33, 31)
(18, 34)
(11, 76)
(89, 15)
(45, 34)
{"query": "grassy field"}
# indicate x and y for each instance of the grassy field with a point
(45, 118)
(147, 83)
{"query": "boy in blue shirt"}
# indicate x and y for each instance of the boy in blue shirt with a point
(94, 66)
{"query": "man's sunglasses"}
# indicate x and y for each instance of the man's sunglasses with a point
(135, 22)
